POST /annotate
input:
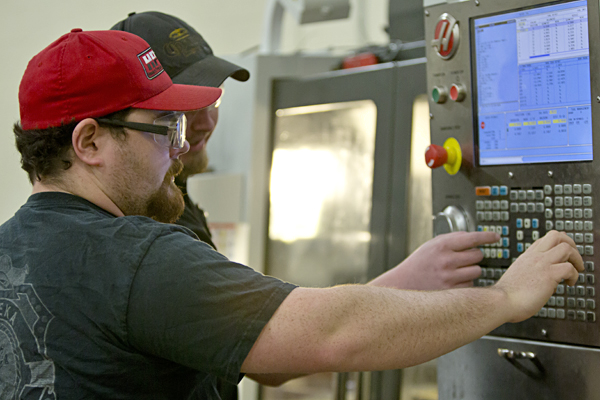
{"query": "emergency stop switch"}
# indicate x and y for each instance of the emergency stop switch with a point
(449, 155)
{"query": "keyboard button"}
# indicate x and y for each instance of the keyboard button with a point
(559, 213)
(568, 201)
(559, 201)
(539, 195)
(568, 213)
(589, 266)
(530, 195)
(568, 189)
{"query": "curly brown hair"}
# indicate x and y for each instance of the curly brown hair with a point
(46, 152)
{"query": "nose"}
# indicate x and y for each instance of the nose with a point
(174, 153)
(201, 121)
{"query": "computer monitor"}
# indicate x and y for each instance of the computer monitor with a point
(531, 85)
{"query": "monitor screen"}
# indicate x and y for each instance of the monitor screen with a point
(532, 95)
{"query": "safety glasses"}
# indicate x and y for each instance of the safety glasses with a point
(171, 128)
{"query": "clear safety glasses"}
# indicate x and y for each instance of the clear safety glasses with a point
(171, 128)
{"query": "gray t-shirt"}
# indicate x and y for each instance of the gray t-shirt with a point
(98, 307)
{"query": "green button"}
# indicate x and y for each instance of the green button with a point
(436, 95)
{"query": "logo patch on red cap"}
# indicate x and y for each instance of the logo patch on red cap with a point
(151, 65)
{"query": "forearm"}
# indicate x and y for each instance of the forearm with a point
(273, 379)
(352, 328)
(358, 328)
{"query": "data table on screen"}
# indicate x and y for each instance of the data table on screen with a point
(533, 98)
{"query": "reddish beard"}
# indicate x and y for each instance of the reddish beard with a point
(166, 204)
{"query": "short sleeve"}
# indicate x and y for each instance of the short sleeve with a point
(191, 305)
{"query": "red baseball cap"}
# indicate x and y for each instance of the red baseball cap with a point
(92, 74)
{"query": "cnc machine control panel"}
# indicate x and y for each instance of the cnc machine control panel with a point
(511, 85)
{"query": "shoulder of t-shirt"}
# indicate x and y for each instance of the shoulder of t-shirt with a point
(159, 228)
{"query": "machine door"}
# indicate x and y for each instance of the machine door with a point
(339, 146)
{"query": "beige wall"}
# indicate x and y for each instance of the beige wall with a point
(230, 26)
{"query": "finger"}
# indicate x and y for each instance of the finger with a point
(563, 252)
(467, 284)
(465, 258)
(467, 240)
(567, 272)
(552, 239)
(465, 274)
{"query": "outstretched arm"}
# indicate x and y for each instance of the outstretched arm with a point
(359, 327)
(444, 262)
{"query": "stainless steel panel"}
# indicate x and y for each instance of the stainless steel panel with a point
(477, 372)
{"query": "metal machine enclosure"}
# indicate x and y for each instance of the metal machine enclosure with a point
(553, 355)
(323, 117)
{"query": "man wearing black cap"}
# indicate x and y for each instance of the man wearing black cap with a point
(188, 59)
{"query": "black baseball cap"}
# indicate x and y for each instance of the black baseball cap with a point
(183, 53)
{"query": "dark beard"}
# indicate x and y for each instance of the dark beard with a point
(167, 205)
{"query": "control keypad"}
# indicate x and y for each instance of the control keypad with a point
(523, 215)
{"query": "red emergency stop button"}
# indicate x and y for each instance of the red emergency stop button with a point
(449, 156)
(435, 156)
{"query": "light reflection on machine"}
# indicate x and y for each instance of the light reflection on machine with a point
(511, 85)
(321, 192)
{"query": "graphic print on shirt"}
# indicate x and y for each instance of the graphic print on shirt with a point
(25, 370)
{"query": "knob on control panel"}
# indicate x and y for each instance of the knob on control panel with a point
(452, 219)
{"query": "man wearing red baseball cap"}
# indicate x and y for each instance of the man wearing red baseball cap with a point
(99, 300)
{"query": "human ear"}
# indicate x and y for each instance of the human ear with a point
(88, 140)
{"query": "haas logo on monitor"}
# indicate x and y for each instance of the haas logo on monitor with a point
(151, 65)
(446, 37)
